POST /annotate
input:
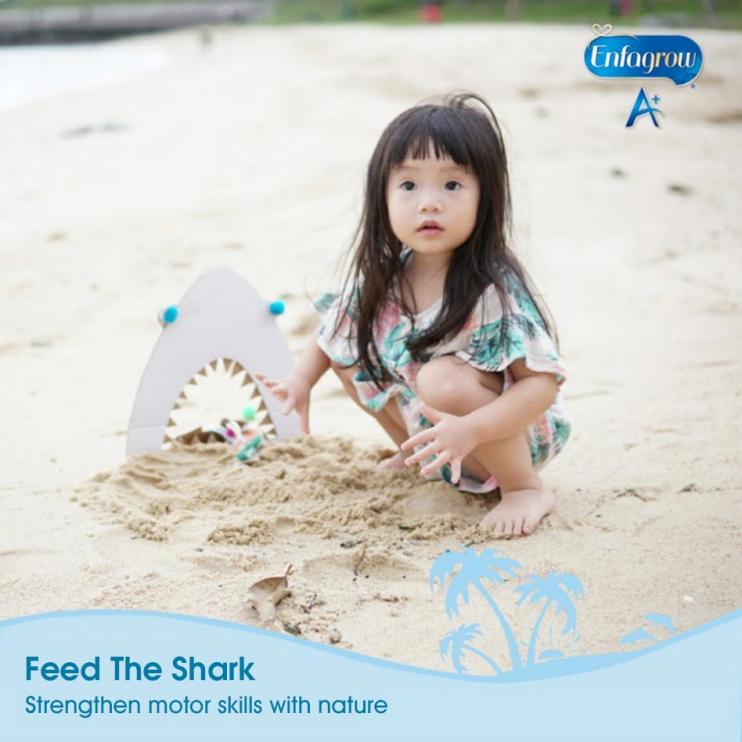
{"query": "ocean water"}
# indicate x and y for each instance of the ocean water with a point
(32, 73)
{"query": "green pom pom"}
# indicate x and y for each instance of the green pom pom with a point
(249, 413)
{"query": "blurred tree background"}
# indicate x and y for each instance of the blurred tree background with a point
(724, 13)
(716, 13)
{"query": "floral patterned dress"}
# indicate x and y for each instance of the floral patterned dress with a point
(478, 343)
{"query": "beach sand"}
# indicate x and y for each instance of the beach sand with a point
(121, 188)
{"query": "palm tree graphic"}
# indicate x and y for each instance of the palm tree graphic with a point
(456, 642)
(636, 636)
(641, 634)
(557, 590)
(459, 570)
(465, 568)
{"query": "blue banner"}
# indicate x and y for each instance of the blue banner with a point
(121, 675)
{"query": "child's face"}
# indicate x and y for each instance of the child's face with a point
(432, 190)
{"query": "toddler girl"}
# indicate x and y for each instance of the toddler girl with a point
(437, 332)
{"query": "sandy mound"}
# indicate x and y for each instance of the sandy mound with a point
(327, 488)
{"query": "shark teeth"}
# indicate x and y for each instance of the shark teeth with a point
(228, 373)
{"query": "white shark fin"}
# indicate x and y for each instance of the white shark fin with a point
(220, 316)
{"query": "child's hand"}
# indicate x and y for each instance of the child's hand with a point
(451, 439)
(294, 390)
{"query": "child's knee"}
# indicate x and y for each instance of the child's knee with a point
(451, 385)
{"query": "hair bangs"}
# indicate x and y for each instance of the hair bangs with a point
(432, 128)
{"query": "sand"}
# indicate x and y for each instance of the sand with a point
(124, 181)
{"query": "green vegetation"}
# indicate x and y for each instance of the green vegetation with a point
(727, 14)
(33, 4)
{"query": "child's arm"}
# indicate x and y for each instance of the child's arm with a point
(295, 388)
(520, 406)
(312, 364)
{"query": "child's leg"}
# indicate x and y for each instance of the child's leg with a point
(389, 418)
(452, 385)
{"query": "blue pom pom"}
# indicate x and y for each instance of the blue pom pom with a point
(277, 307)
(168, 315)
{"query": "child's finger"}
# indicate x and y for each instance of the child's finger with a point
(290, 405)
(304, 419)
(280, 392)
(437, 463)
(422, 454)
(416, 440)
(456, 470)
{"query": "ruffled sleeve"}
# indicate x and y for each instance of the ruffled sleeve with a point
(497, 339)
(335, 334)
(341, 347)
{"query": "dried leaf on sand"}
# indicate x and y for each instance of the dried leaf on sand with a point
(266, 594)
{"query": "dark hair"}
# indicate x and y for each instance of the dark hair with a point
(470, 135)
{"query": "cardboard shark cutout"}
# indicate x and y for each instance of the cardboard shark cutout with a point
(222, 323)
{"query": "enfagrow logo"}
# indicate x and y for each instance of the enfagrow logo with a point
(677, 58)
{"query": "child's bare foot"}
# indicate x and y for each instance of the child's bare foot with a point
(394, 462)
(518, 513)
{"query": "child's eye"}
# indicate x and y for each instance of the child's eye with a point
(404, 186)
(453, 185)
